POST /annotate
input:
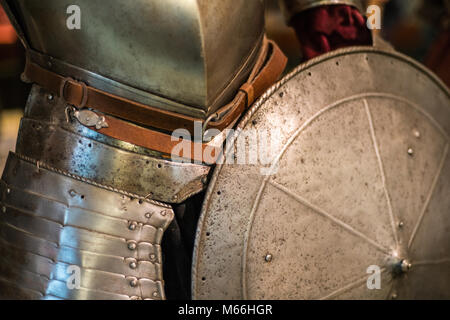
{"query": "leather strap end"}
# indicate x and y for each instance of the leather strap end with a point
(249, 91)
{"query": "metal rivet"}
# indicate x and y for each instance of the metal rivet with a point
(163, 213)
(4, 209)
(133, 265)
(405, 266)
(132, 226)
(410, 151)
(132, 246)
(148, 215)
(72, 193)
(152, 257)
(394, 296)
(401, 224)
(416, 133)
(8, 191)
(24, 78)
(155, 294)
(268, 257)
(50, 97)
(134, 283)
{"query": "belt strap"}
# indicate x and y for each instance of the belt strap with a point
(147, 138)
(265, 73)
(268, 67)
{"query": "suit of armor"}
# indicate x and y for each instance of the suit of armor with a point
(92, 186)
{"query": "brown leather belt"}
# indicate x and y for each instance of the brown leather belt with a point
(268, 67)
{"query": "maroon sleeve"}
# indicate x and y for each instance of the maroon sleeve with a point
(327, 28)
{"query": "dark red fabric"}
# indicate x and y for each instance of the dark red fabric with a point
(327, 28)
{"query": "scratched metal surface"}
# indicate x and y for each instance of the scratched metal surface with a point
(46, 135)
(360, 176)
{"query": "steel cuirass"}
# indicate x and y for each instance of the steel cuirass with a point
(117, 49)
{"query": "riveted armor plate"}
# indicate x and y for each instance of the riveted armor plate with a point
(71, 147)
(53, 222)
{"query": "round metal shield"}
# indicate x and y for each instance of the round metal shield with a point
(353, 201)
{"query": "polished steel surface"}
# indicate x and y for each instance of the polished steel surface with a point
(359, 177)
(292, 7)
(193, 52)
(52, 220)
(46, 135)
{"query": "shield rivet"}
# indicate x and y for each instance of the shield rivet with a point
(132, 246)
(268, 258)
(152, 257)
(133, 265)
(410, 151)
(401, 224)
(8, 191)
(148, 215)
(155, 294)
(405, 266)
(394, 296)
(416, 133)
(50, 97)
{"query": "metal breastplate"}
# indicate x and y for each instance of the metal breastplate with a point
(183, 56)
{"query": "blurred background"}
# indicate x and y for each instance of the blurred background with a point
(418, 28)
